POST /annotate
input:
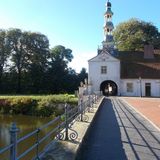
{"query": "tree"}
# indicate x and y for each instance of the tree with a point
(71, 81)
(38, 53)
(82, 75)
(4, 52)
(29, 66)
(29, 53)
(134, 34)
(59, 59)
(18, 53)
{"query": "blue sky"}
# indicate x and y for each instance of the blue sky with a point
(77, 25)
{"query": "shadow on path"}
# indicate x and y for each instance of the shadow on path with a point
(103, 139)
(140, 139)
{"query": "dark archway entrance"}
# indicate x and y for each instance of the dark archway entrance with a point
(109, 88)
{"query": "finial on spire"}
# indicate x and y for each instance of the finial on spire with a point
(108, 4)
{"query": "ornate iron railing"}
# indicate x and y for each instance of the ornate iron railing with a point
(62, 130)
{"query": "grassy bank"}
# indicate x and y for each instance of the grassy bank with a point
(45, 105)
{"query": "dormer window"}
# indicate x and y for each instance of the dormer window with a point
(103, 69)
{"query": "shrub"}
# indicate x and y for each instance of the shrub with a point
(36, 105)
(45, 107)
(26, 106)
(5, 106)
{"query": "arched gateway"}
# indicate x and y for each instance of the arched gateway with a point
(109, 88)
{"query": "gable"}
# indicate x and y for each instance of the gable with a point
(103, 57)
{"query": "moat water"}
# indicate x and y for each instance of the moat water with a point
(26, 124)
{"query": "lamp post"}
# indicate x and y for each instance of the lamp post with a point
(140, 86)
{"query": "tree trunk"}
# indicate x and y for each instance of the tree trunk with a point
(1, 72)
(19, 81)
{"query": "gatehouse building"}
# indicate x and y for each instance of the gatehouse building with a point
(125, 73)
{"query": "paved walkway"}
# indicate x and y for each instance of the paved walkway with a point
(120, 133)
(149, 107)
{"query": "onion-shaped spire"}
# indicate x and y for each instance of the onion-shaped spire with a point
(109, 4)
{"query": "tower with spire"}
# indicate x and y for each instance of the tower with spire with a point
(109, 73)
(108, 42)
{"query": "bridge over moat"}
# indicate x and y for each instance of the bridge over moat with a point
(108, 129)
(119, 133)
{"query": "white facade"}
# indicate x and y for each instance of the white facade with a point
(125, 87)
(139, 87)
(95, 76)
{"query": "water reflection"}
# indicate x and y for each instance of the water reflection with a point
(26, 124)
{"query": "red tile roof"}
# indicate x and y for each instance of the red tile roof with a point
(133, 65)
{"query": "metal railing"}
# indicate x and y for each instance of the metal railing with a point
(62, 130)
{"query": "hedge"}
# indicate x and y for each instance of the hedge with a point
(36, 105)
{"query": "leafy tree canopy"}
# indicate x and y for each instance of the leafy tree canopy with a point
(29, 66)
(61, 53)
(133, 34)
(83, 75)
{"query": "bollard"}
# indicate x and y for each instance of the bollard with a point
(13, 140)
(66, 121)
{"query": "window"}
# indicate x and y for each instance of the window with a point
(103, 69)
(129, 87)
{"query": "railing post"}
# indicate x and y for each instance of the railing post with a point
(66, 121)
(81, 109)
(13, 140)
(89, 105)
(92, 101)
(95, 99)
(37, 148)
